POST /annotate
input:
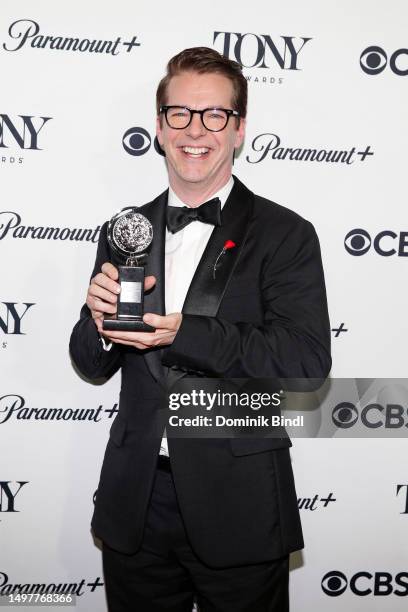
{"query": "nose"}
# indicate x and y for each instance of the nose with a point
(196, 128)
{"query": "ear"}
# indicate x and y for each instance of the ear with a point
(240, 134)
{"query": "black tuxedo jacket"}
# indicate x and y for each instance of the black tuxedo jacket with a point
(264, 315)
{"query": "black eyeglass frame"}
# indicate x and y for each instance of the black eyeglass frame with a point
(230, 113)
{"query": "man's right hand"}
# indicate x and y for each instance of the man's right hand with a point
(103, 292)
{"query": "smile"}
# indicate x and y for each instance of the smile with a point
(195, 151)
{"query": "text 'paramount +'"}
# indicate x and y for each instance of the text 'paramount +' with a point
(269, 146)
(26, 32)
(10, 224)
(14, 406)
(79, 587)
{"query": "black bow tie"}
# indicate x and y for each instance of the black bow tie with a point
(178, 217)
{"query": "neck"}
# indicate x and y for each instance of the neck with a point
(194, 194)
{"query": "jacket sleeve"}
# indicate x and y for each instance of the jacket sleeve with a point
(85, 344)
(293, 341)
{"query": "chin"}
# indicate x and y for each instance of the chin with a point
(193, 177)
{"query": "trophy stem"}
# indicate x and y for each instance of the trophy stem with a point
(139, 260)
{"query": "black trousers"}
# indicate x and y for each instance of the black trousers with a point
(165, 574)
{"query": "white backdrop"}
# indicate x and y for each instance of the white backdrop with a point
(72, 171)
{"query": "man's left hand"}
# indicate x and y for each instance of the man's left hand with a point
(166, 330)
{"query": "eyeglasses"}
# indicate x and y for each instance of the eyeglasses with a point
(213, 119)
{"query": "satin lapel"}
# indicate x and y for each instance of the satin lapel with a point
(205, 292)
(154, 300)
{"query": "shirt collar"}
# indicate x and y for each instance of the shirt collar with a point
(222, 193)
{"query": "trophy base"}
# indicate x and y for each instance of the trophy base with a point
(127, 325)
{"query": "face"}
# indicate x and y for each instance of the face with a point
(198, 159)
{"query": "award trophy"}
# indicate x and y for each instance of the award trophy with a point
(129, 235)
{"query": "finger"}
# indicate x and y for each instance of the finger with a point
(99, 292)
(155, 320)
(128, 338)
(168, 322)
(132, 337)
(106, 334)
(110, 270)
(150, 282)
(98, 323)
(96, 315)
(137, 345)
(102, 280)
(99, 306)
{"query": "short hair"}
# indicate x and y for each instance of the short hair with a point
(204, 60)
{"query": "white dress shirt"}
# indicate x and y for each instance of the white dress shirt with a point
(183, 251)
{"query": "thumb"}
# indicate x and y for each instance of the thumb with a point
(150, 282)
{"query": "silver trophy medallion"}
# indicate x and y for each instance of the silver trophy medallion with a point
(130, 235)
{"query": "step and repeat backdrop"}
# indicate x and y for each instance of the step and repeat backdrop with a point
(326, 136)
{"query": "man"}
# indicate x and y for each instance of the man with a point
(213, 519)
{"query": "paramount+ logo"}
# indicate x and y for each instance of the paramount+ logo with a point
(365, 583)
(386, 243)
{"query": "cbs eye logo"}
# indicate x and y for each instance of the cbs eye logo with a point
(334, 583)
(345, 415)
(385, 243)
(373, 60)
(357, 242)
(136, 141)
(373, 416)
(365, 583)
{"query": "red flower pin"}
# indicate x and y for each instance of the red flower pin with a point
(228, 244)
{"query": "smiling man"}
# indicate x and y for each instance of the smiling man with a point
(199, 146)
(185, 518)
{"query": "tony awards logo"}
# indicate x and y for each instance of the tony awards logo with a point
(130, 235)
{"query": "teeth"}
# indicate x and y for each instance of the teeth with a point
(195, 150)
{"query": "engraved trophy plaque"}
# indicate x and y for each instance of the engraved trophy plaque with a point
(130, 235)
